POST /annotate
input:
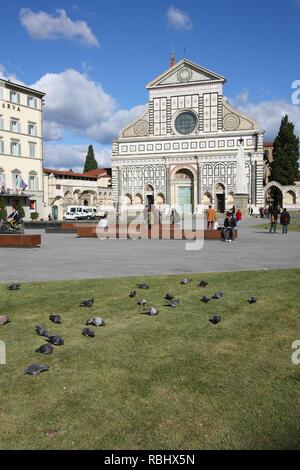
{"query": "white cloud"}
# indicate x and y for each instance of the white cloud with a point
(75, 102)
(41, 25)
(268, 113)
(67, 157)
(178, 19)
(8, 76)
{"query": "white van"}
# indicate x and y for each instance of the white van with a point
(81, 212)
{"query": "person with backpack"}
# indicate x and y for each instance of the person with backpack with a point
(273, 220)
(285, 220)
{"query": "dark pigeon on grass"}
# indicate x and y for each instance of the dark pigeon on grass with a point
(142, 302)
(132, 294)
(96, 321)
(151, 311)
(56, 340)
(41, 331)
(169, 296)
(203, 283)
(88, 332)
(252, 300)
(215, 319)
(218, 295)
(185, 281)
(205, 299)
(14, 287)
(143, 285)
(45, 349)
(4, 319)
(87, 303)
(35, 369)
(55, 318)
(173, 303)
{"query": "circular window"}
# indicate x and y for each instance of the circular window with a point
(185, 123)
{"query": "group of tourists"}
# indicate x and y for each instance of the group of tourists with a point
(284, 218)
(232, 220)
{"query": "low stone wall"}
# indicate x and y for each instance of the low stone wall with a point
(154, 232)
(19, 241)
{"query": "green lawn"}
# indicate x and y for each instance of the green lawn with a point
(294, 226)
(174, 381)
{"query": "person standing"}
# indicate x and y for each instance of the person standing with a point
(211, 218)
(238, 217)
(273, 220)
(285, 220)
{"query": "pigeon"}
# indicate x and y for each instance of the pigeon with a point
(87, 303)
(185, 281)
(142, 302)
(56, 340)
(151, 311)
(96, 321)
(218, 295)
(142, 286)
(14, 287)
(41, 331)
(45, 349)
(203, 283)
(35, 369)
(215, 319)
(252, 300)
(55, 318)
(132, 294)
(88, 332)
(173, 303)
(4, 319)
(205, 299)
(169, 296)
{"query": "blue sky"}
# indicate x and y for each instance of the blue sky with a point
(105, 52)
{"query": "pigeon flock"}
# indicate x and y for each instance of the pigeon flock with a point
(56, 340)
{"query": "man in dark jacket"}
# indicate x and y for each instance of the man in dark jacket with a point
(285, 220)
(229, 223)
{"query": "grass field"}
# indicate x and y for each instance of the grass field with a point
(294, 226)
(174, 381)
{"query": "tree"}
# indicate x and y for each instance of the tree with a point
(90, 161)
(285, 154)
(3, 211)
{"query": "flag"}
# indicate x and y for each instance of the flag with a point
(23, 185)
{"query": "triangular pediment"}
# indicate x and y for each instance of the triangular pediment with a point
(185, 73)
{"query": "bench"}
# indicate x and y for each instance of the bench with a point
(19, 241)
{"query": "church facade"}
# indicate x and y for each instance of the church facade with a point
(183, 150)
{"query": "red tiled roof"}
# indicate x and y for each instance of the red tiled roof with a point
(99, 172)
(67, 173)
(90, 174)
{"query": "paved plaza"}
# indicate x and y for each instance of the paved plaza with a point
(64, 256)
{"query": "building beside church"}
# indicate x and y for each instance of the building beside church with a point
(21, 147)
(183, 150)
(67, 188)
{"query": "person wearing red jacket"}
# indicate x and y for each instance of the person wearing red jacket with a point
(238, 216)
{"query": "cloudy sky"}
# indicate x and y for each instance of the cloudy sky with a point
(93, 60)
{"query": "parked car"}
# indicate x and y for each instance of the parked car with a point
(83, 211)
(73, 216)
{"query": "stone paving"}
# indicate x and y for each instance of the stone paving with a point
(63, 256)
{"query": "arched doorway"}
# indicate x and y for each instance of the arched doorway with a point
(184, 189)
(149, 194)
(290, 198)
(220, 197)
(273, 197)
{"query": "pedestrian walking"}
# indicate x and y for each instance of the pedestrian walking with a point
(273, 220)
(285, 220)
(211, 218)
